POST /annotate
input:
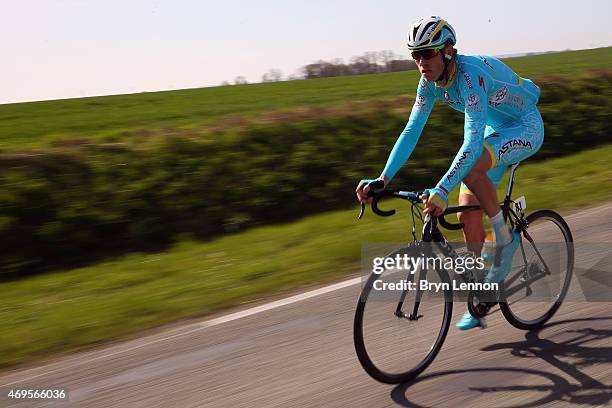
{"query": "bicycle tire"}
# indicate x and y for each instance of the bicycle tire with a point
(360, 347)
(506, 310)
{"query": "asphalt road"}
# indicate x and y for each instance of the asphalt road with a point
(299, 352)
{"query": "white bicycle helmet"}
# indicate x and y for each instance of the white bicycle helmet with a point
(429, 32)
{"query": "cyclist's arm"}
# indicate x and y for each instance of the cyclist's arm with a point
(409, 137)
(473, 137)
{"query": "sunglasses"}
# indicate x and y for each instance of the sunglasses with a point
(427, 54)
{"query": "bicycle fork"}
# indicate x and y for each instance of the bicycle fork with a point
(414, 315)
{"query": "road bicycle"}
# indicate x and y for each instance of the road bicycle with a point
(397, 340)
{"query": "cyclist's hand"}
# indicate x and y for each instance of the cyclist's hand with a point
(364, 186)
(435, 201)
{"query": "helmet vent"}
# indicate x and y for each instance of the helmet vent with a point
(427, 26)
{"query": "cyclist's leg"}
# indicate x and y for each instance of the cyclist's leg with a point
(483, 191)
(505, 147)
(476, 230)
(473, 227)
(474, 235)
(484, 181)
(510, 145)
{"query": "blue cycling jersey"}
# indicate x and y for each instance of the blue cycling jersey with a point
(487, 91)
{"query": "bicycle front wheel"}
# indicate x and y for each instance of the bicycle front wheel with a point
(539, 282)
(397, 338)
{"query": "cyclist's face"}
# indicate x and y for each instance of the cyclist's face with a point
(430, 68)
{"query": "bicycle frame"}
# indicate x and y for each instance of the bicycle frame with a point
(432, 243)
(431, 233)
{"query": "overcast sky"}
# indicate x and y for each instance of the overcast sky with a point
(55, 49)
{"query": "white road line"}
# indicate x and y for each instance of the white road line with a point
(238, 315)
(279, 303)
(203, 325)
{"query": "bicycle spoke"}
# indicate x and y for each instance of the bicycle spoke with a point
(546, 275)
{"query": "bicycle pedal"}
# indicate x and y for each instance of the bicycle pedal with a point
(483, 323)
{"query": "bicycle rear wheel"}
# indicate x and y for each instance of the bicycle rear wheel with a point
(542, 278)
(394, 349)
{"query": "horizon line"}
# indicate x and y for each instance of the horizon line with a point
(501, 56)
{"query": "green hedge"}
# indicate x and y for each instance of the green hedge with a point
(68, 207)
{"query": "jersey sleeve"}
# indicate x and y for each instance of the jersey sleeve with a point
(473, 89)
(409, 137)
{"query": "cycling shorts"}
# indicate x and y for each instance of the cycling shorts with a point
(511, 144)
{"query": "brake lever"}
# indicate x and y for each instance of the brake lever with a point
(362, 211)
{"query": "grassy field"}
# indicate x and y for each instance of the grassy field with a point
(75, 309)
(114, 118)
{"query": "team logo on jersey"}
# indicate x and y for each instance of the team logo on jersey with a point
(472, 100)
(447, 99)
(421, 101)
(457, 166)
(513, 144)
(499, 96)
(468, 80)
(481, 82)
(486, 62)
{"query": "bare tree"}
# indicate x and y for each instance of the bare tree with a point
(273, 75)
(368, 63)
(313, 70)
(240, 80)
(400, 65)
(386, 56)
(363, 64)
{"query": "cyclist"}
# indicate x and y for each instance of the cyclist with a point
(502, 126)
